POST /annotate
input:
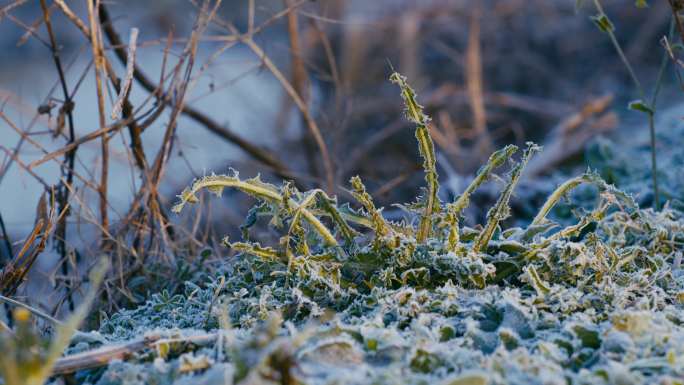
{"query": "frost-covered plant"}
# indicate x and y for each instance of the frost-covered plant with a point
(425, 300)
(324, 253)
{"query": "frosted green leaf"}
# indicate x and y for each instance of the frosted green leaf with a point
(639, 105)
(603, 22)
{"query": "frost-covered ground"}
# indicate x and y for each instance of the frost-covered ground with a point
(596, 299)
(597, 303)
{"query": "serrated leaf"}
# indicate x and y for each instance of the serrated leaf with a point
(500, 210)
(264, 192)
(359, 193)
(541, 287)
(255, 249)
(414, 113)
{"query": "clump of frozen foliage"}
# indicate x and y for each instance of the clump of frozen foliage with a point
(349, 297)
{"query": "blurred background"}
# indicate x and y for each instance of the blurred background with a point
(296, 90)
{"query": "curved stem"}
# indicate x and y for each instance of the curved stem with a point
(216, 183)
(556, 196)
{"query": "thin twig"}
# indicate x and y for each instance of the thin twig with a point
(130, 65)
(300, 81)
(26, 167)
(32, 309)
(98, 55)
(651, 116)
(676, 8)
(69, 156)
(303, 108)
(290, 90)
(256, 152)
(5, 238)
(642, 94)
(15, 272)
(134, 129)
(474, 83)
(102, 356)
